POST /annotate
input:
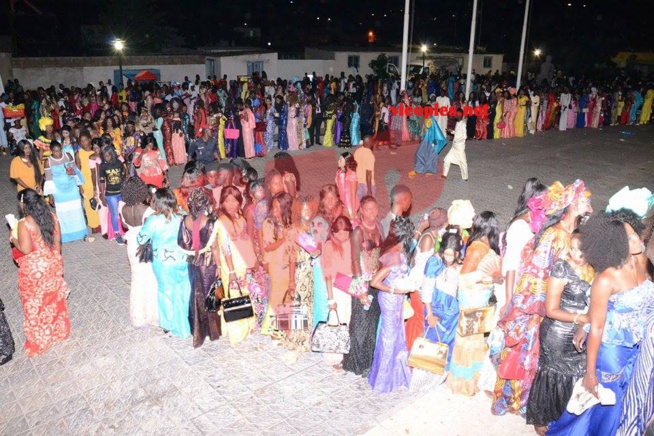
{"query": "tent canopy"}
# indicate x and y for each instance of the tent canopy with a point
(145, 76)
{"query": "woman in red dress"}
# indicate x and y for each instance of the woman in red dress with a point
(41, 284)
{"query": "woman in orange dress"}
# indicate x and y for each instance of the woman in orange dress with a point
(41, 284)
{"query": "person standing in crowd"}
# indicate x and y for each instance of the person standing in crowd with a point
(390, 370)
(365, 168)
(169, 263)
(111, 176)
(248, 124)
(195, 237)
(457, 154)
(204, 149)
(83, 161)
(63, 184)
(269, 135)
(25, 169)
(43, 290)
(346, 182)
(134, 210)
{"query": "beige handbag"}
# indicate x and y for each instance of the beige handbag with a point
(476, 321)
(429, 356)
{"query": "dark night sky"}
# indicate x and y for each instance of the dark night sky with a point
(585, 33)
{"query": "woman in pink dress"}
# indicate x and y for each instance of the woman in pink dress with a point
(178, 141)
(247, 126)
(572, 113)
(291, 125)
(346, 182)
(510, 111)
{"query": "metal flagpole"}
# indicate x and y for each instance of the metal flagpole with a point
(471, 48)
(522, 46)
(405, 44)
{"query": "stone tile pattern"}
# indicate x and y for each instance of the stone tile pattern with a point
(112, 378)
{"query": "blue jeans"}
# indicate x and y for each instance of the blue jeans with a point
(112, 203)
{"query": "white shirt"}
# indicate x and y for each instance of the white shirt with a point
(460, 135)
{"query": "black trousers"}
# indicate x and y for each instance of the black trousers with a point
(314, 130)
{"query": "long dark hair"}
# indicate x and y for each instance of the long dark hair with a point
(34, 206)
(164, 203)
(401, 231)
(485, 224)
(285, 204)
(452, 240)
(34, 160)
(340, 223)
(226, 192)
(532, 187)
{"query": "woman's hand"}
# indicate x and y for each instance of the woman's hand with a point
(590, 383)
(432, 320)
(291, 289)
(232, 278)
(363, 298)
(315, 253)
(333, 306)
(579, 339)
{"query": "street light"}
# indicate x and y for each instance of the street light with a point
(423, 49)
(537, 52)
(119, 46)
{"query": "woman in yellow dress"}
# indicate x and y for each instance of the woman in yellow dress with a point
(82, 158)
(221, 133)
(523, 101)
(646, 112)
(499, 114)
(330, 116)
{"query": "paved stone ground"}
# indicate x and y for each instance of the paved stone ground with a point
(111, 378)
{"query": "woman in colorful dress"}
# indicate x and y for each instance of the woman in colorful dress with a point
(390, 370)
(178, 142)
(248, 124)
(279, 249)
(517, 362)
(330, 119)
(269, 135)
(510, 110)
(150, 166)
(196, 238)
(169, 263)
(365, 309)
(474, 292)
(259, 111)
(63, 183)
(43, 290)
(134, 210)
(621, 301)
(167, 132)
(355, 130)
(281, 110)
(237, 259)
(481, 128)
(499, 114)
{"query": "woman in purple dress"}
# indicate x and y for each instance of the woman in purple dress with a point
(338, 130)
(389, 368)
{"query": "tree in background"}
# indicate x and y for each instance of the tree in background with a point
(379, 66)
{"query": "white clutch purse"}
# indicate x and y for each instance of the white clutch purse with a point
(582, 400)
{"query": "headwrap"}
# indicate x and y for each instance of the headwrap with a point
(555, 199)
(461, 214)
(512, 91)
(638, 201)
(45, 122)
(437, 217)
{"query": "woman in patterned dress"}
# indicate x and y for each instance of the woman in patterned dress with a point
(43, 290)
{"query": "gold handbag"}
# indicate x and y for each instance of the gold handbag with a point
(475, 321)
(429, 356)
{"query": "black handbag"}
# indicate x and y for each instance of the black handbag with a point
(238, 308)
(145, 252)
(216, 294)
(94, 203)
(7, 346)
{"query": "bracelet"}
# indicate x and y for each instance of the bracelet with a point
(232, 272)
(330, 302)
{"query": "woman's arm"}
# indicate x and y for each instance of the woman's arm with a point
(352, 186)
(357, 238)
(215, 252)
(269, 242)
(553, 309)
(599, 300)
(24, 241)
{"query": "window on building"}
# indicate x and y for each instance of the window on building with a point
(255, 67)
(211, 67)
(395, 60)
(353, 61)
(488, 62)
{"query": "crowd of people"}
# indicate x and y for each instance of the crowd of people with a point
(558, 305)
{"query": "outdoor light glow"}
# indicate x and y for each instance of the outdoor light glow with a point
(119, 44)
(423, 48)
(537, 52)
(569, 4)
(269, 44)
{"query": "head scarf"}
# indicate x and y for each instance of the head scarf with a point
(555, 199)
(461, 214)
(45, 122)
(638, 201)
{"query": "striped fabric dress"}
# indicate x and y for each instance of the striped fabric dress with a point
(68, 201)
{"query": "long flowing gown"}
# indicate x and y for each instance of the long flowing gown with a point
(319, 231)
(583, 109)
(510, 111)
(426, 158)
(355, 131)
(43, 292)
(624, 330)
(521, 322)
(143, 296)
(269, 135)
(364, 322)
(646, 112)
(282, 136)
(178, 146)
(248, 133)
(338, 127)
(328, 139)
(171, 269)
(291, 129)
(68, 203)
(499, 114)
(202, 274)
(560, 365)
(638, 101)
(390, 370)
(92, 217)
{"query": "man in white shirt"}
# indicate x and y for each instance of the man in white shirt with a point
(457, 154)
(442, 101)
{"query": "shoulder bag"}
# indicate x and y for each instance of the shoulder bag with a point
(427, 355)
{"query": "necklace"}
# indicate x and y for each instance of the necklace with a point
(373, 227)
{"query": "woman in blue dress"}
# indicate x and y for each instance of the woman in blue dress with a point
(426, 158)
(169, 263)
(355, 132)
(621, 301)
(157, 132)
(581, 115)
(390, 369)
(63, 181)
(281, 110)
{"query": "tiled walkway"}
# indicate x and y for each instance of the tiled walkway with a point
(113, 378)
